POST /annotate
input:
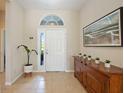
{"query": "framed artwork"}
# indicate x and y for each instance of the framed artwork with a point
(106, 31)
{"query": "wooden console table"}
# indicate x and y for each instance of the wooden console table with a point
(96, 78)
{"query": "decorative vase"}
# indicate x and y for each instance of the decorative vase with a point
(84, 57)
(89, 59)
(28, 68)
(80, 55)
(97, 61)
(107, 65)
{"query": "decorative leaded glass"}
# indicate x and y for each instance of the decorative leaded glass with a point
(52, 20)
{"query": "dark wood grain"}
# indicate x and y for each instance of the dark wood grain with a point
(96, 78)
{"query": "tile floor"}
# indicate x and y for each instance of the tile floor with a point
(1, 81)
(50, 82)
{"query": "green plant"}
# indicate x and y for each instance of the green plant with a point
(107, 61)
(28, 52)
(89, 56)
(97, 58)
(80, 54)
(84, 55)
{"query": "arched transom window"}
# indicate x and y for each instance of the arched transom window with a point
(52, 21)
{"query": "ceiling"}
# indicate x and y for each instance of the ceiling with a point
(52, 4)
(2, 5)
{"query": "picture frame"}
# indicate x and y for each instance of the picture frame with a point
(106, 31)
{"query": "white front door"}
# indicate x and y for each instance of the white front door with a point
(55, 50)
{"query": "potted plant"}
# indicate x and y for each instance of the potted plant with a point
(28, 68)
(89, 57)
(107, 63)
(97, 60)
(80, 54)
(84, 56)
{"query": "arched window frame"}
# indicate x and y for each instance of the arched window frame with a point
(51, 20)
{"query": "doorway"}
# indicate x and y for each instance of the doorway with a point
(52, 49)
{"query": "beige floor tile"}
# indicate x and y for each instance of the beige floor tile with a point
(50, 82)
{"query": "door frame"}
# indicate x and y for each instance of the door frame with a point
(43, 30)
(2, 52)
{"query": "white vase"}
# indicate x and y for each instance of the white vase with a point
(89, 58)
(107, 65)
(28, 69)
(97, 61)
(80, 55)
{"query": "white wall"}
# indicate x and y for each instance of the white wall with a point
(71, 21)
(91, 11)
(14, 37)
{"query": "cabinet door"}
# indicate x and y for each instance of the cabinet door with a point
(93, 84)
(80, 74)
(79, 71)
(84, 78)
(77, 68)
(83, 74)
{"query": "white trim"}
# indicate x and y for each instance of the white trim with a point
(17, 78)
(36, 71)
(10, 83)
(69, 70)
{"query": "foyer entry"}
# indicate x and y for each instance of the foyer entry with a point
(52, 49)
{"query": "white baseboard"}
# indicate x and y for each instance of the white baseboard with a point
(36, 71)
(69, 70)
(17, 78)
(10, 83)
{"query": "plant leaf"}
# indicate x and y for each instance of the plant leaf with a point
(33, 50)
